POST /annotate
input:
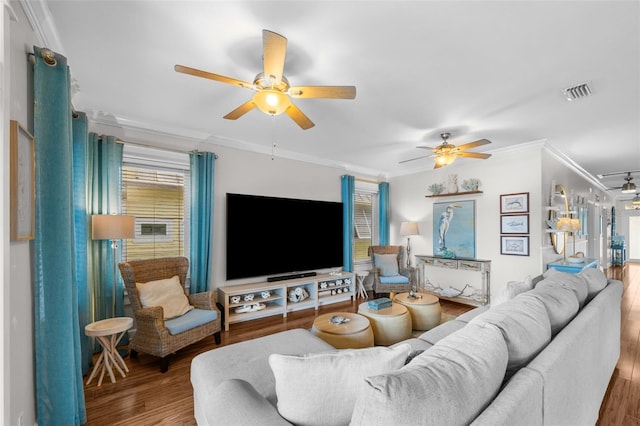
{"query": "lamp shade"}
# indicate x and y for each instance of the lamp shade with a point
(112, 227)
(408, 228)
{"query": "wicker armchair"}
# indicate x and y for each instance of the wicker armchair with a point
(152, 337)
(390, 282)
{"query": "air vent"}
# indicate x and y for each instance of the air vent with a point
(577, 92)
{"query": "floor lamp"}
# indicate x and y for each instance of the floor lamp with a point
(408, 229)
(112, 227)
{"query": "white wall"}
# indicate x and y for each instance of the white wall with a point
(507, 172)
(19, 350)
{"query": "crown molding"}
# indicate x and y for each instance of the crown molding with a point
(572, 165)
(41, 21)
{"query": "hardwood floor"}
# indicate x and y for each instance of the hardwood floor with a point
(147, 397)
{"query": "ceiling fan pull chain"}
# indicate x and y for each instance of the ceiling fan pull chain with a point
(273, 135)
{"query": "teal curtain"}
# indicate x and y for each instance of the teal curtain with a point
(348, 191)
(82, 228)
(383, 194)
(59, 387)
(104, 190)
(201, 211)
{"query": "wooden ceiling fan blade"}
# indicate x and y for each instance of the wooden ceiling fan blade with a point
(473, 155)
(211, 76)
(327, 92)
(427, 147)
(474, 144)
(413, 159)
(241, 110)
(298, 116)
(274, 52)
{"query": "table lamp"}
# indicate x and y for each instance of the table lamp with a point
(407, 229)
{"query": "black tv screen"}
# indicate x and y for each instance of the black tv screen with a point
(271, 236)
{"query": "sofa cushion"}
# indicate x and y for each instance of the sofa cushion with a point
(321, 389)
(387, 264)
(560, 302)
(167, 293)
(553, 277)
(468, 316)
(193, 318)
(511, 290)
(596, 280)
(438, 333)
(448, 384)
(525, 327)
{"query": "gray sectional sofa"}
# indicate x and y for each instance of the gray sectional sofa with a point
(543, 356)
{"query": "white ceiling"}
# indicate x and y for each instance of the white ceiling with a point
(478, 69)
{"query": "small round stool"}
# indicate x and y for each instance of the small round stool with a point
(109, 332)
(356, 333)
(390, 325)
(424, 309)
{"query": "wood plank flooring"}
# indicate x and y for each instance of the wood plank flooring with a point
(147, 397)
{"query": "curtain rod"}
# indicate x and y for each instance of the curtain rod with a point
(120, 141)
(367, 180)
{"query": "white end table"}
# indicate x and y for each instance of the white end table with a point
(360, 276)
(109, 332)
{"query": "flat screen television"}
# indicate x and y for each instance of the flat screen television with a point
(280, 236)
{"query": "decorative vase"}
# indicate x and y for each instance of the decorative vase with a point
(452, 185)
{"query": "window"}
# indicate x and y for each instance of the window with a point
(365, 221)
(155, 190)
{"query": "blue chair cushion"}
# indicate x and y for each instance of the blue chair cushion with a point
(191, 319)
(396, 279)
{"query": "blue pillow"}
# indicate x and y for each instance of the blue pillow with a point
(387, 263)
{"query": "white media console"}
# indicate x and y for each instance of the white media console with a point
(274, 296)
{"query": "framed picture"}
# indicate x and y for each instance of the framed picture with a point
(514, 245)
(514, 224)
(514, 203)
(22, 172)
(454, 229)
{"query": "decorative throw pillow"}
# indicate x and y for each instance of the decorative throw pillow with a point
(595, 279)
(167, 293)
(387, 263)
(321, 389)
(512, 289)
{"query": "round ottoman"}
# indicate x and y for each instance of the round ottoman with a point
(390, 325)
(356, 333)
(424, 309)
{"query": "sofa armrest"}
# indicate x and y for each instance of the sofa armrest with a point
(237, 402)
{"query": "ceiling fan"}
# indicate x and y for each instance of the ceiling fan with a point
(446, 153)
(272, 90)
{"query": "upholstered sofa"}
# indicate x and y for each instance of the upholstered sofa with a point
(542, 354)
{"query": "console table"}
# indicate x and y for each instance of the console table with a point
(468, 294)
(573, 268)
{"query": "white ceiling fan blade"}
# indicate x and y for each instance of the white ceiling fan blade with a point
(274, 52)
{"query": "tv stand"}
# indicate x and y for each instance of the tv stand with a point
(273, 297)
(291, 276)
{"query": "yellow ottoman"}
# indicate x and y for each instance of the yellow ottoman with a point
(424, 309)
(390, 325)
(356, 333)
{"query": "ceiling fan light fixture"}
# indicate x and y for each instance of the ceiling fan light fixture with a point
(629, 188)
(445, 159)
(271, 102)
(636, 200)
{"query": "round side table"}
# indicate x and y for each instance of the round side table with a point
(424, 309)
(354, 334)
(360, 276)
(390, 325)
(109, 332)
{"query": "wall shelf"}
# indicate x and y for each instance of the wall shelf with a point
(451, 195)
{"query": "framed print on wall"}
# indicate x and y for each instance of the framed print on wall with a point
(22, 172)
(454, 229)
(514, 245)
(514, 224)
(514, 203)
